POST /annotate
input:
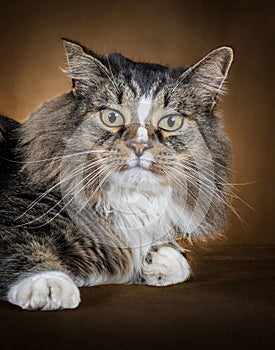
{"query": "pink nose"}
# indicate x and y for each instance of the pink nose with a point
(138, 147)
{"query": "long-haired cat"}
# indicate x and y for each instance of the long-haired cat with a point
(97, 183)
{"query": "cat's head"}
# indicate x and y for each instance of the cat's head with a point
(144, 126)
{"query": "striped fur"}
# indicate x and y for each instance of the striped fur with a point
(86, 202)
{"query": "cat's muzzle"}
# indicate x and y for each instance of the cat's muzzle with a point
(138, 147)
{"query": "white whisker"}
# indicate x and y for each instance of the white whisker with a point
(100, 172)
(90, 165)
(57, 158)
(221, 196)
(60, 201)
(111, 169)
(224, 183)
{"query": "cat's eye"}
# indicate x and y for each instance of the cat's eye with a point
(111, 117)
(171, 122)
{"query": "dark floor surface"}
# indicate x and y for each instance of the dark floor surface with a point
(228, 304)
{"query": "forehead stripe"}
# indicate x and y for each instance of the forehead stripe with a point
(142, 134)
(143, 109)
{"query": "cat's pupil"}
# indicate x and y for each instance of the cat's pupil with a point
(171, 122)
(112, 117)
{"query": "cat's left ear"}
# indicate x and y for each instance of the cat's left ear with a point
(84, 67)
(206, 78)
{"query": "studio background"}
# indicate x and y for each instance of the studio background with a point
(167, 32)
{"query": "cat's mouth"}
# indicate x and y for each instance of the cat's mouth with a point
(141, 164)
(144, 162)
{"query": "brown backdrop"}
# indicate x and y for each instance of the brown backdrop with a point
(170, 32)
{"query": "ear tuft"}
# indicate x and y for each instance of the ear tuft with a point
(72, 48)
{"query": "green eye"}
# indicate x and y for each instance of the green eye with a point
(171, 122)
(111, 118)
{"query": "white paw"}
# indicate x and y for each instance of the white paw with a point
(165, 266)
(50, 290)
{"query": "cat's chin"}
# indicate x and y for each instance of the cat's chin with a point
(137, 178)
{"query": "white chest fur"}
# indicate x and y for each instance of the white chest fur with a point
(144, 211)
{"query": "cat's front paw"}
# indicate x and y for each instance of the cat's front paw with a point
(165, 266)
(50, 290)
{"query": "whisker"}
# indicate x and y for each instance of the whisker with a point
(202, 160)
(193, 196)
(214, 176)
(231, 194)
(56, 204)
(56, 158)
(90, 165)
(111, 170)
(186, 187)
(74, 196)
(217, 194)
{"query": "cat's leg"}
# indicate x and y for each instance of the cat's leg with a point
(44, 271)
(164, 265)
(48, 290)
(32, 273)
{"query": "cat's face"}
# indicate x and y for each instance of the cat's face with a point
(150, 119)
(140, 126)
(146, 145)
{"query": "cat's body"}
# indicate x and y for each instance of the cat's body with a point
(102, 178)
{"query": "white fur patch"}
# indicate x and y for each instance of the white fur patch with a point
(167, 266)
(51, 290)
(143, 210)
(143, 109)
(142, 134)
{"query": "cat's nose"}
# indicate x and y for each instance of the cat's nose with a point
(138, 147)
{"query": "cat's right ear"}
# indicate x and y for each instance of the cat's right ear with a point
(84, 67)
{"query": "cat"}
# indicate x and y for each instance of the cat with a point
(99, 181)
